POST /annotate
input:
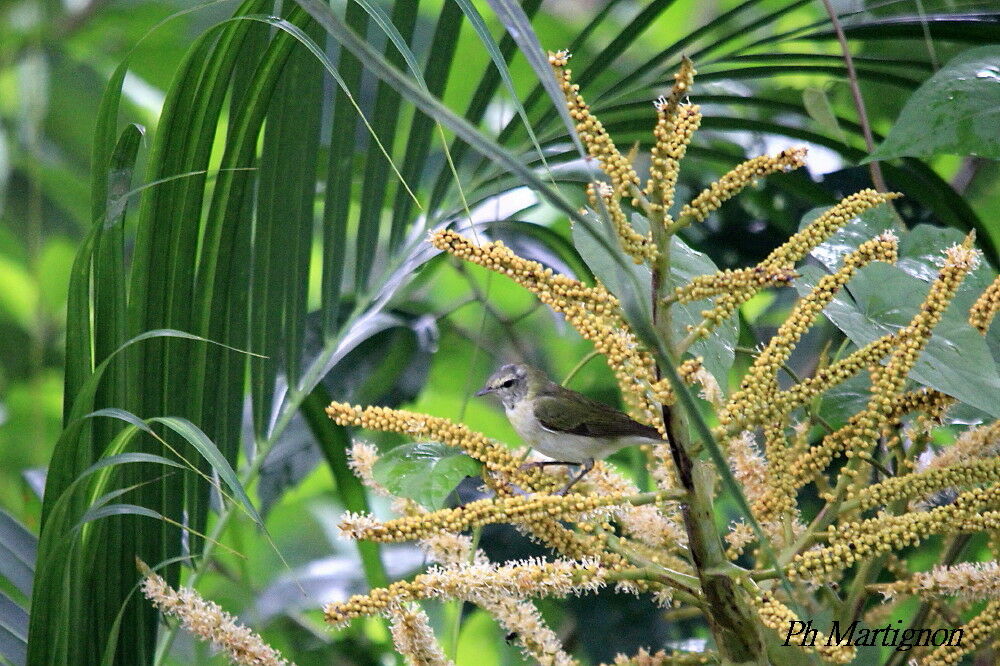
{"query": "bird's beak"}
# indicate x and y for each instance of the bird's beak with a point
(480, 393)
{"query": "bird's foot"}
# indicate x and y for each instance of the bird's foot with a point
(538, 464)
(584, 468)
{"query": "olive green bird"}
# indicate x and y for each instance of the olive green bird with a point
(564, 425)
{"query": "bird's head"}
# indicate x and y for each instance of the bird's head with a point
(512, 383)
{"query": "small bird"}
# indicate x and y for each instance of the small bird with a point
(562, 424)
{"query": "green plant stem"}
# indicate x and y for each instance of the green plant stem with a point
(867, 570)
(733, 623)
(679, 224)
(874, 167)
(678, 580)
(955, 547)
(579, 366)
(458, 604)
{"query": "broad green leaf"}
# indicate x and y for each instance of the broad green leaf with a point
(817, 105)
(846, 399)
(882, 299)
(719, 349)
(425, 472)
(956, 111)
(845, 240)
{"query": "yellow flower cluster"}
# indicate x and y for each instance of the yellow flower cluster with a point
(793, 250)
(807, 239)
(590, 130)
(975, 633)
(986, 306)
(973, 510)
(931, 402)
(206, 620)
(640, 248)
(925, 483)
(778, 493)
(675, 124)
(673, 134)
(837, 372)
(618, 168)
(759, 388)
(886, 403)
(496, 457)
(887, 384)
(514, 510)
(730, 184)
(414, 639)
(814, 460)
(972, 581)
(592, 311)
(777, 617)
(521, 579)
(709, 286)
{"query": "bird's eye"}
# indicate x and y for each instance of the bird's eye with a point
(508, 383)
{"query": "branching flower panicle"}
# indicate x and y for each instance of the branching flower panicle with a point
(974, 510)
(760, 385)
(206, 620)
(476, 582)
(793, 250)
(739, 177)
(860, 434)
(773, 431)
(513, 510)
(973, 581)
(413, 637)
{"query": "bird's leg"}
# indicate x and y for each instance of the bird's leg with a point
(545, 463)
(584, 468)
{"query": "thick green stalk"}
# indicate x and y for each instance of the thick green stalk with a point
(733, 622)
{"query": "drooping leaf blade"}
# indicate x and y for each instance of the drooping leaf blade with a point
(426, 472)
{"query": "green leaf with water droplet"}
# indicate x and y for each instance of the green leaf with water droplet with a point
(956, 111)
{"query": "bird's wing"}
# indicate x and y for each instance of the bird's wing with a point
(586, 417)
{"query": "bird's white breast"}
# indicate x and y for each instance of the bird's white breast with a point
(562, 446)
